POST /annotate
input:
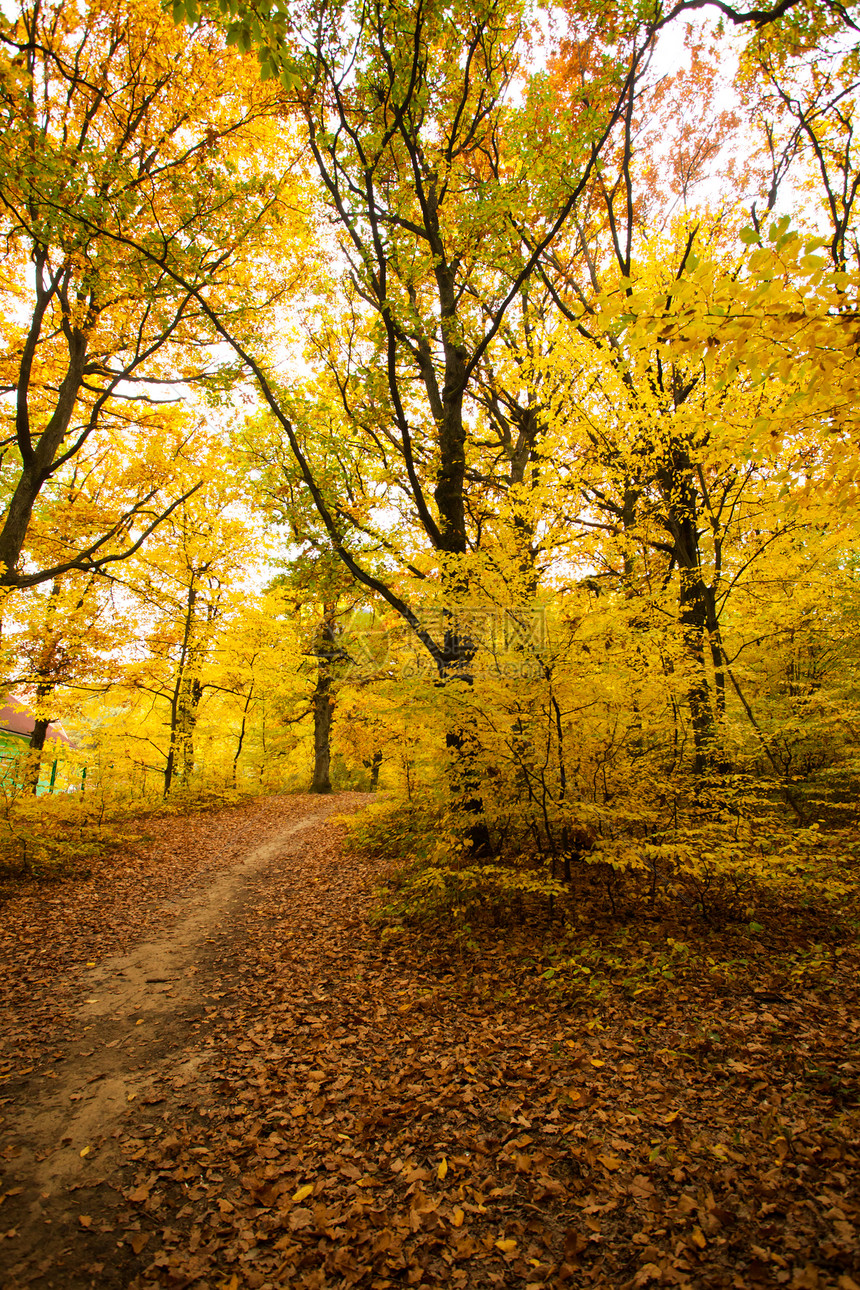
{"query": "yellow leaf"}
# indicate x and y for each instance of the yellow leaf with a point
(457, 1216)
(595, 1061)
(610, 1162)
(442, 1170)
(86, 1151)
(699, 1238)
(507, 1245)
(304, 1192)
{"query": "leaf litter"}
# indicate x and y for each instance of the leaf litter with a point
(346, 1110)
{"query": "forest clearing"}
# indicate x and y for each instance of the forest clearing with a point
(220, 1074)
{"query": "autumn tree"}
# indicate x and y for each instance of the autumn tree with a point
(120, 132)
(661, 484)
(184, 586)
(428, 172)
(59, 641)
(410, 148)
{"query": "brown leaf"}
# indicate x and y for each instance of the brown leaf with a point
(300, 1219)
(641, 1187)
(647, 1273)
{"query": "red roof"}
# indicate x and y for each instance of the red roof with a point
(17, 719)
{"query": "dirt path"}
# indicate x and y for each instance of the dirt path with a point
(64, 1127)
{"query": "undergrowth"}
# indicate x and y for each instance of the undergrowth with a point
(710, 901)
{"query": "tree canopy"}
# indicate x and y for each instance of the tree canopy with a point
(501, 360)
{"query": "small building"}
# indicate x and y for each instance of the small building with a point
(16, 728)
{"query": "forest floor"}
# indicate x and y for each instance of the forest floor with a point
(219, 1074)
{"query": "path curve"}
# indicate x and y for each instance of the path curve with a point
(134, 1023)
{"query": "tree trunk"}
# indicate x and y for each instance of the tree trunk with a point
(682, 514)
(192, 692)
(322, 702)
(38, 457)
(183, 706)
(242, 732)
(465, 776)
(33, 767)
(323, 709)
(692, 603)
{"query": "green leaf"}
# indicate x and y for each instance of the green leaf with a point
(290, 78)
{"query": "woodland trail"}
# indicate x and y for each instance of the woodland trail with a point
(136, 1029)
(221, 1077)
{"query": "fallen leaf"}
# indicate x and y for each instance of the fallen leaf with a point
(648, 1272)
(300, 1219)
